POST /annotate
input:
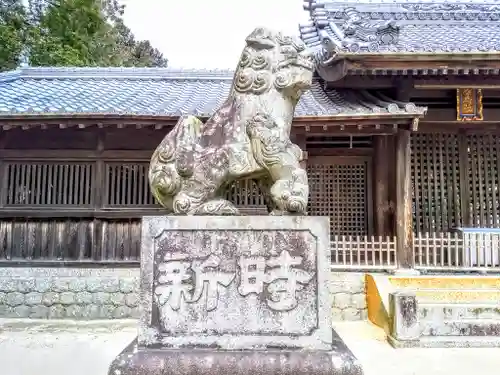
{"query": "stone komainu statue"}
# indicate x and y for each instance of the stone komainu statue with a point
(247, 137)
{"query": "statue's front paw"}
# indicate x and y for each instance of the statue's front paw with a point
(296, 205)
(294, 201)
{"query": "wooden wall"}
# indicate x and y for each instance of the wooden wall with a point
(76, 195)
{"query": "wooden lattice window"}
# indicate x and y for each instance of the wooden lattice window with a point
(246, 195)
(49, 184)
(483, 178)
(127, 184)
(435, 172)
(338, 189)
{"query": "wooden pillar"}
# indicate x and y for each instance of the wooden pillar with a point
(3, 170)
(381, 163)
(404, 230)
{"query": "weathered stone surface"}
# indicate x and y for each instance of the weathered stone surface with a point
(358, 301)
(67, 298)
(132, 299)
(342, 300)
(237, 282)
(110, 285)
(14, 299)
(404, 312)
(50, 298)
(101, 298)
(60, 285)
(39, 312)
(127, 286)
(25, 286)
(351, 314)
(337, 314)
(33, 298)
(77, 285)
(42, 285)
(84, 298)
(117, 299)
(121, 312)
(348, 289)
(140, 361)
(57, 311)
(8, 284)
(22, 311)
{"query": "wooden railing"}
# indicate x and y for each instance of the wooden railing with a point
(363, 252)
(431, 251)
(457, 251)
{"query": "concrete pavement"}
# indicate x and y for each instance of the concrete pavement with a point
(87, 348)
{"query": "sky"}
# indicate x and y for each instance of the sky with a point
(208, 34)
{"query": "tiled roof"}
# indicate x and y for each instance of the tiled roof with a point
(419, 26)
(160, 92)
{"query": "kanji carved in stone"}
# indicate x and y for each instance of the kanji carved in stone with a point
(247, 137)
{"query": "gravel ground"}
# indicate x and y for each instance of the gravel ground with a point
(87, 348)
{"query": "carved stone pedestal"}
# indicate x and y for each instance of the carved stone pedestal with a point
(235, 295)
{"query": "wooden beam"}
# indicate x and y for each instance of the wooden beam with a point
(435, 83)
(381, 162)
(455, 82)
(404, 89)
(409, 62)
(404, 230)
(450, 115)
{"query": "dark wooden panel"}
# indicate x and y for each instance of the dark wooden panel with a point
(79, 240)
(51, 139)
(133, 139)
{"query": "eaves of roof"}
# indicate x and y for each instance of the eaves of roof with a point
(466, 31)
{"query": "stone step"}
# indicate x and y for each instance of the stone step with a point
(457, 342)
(469, 328)
(446, 282)
(458, 295)
(458, 311)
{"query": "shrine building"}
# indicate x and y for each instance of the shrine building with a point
(401, 130)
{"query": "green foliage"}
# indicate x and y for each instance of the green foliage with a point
(12, 33)
(71, 33)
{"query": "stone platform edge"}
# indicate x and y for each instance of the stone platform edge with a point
(134, 360)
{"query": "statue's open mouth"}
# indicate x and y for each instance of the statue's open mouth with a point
(301, 62)
(306, 64)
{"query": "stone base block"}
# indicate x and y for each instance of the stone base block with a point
(135, 360)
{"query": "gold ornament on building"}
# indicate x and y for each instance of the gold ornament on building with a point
(469, 104)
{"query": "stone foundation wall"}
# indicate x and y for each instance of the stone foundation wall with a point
(65, 293)
(349, 296)
(60, 293)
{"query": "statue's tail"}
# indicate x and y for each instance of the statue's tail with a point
(186, 132)
(164, 180)
(173, 160)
